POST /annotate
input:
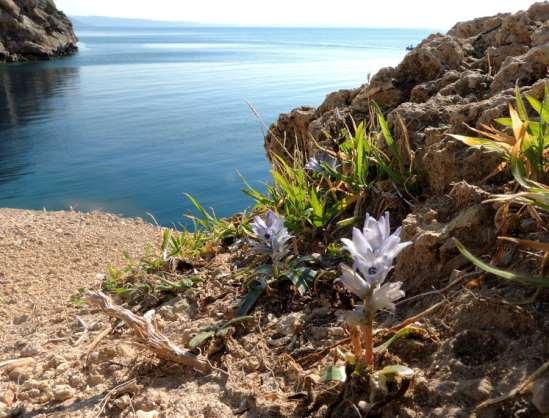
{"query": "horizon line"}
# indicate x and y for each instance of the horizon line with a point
(242, 25)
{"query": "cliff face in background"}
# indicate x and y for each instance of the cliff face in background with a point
(34, 29)
(465, 76)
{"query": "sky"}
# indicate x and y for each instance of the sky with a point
(439, 14)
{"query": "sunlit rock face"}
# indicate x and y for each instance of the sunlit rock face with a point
(34, 30)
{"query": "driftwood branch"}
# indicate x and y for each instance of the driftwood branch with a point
(146, 332)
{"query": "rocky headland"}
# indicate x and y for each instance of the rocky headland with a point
(34, 30)
(474, 345)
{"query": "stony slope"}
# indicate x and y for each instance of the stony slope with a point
(34, 29)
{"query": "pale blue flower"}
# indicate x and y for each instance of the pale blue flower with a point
(376, 296)
(265, 229)
(384, 297)
(272, 235)
(374, 248)
(320, 162)
(353, 282)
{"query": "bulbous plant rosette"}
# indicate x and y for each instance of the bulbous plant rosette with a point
(272, 236)
(373, 250)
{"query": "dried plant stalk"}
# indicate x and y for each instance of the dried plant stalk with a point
(146, 332)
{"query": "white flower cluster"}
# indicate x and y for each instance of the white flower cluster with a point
(272, 235)
(374, 250)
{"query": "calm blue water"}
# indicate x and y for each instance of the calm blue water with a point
(140, 116)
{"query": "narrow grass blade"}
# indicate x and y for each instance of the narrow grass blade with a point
(542, 282)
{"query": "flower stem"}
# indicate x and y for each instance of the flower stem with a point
(367, 335)
(275, 270)
(355, 341)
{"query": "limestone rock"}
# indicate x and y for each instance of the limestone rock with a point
(34, 29)
(62, 392)
(289, 132)
(147, 414)
(464, 77)
(539, 11)
(337, 99)
(522, 69)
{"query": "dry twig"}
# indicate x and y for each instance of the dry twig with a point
(9, 365)
(521, 388)
(146, 332)
(414, 318)
(97, 340)
(115, 392)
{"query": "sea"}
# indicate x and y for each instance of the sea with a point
(140, 116)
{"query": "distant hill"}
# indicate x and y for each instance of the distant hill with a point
(103, 22)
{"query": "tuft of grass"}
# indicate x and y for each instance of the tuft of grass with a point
(312, 201)
(218, 228)
(527, 144)
(526, 153)
(155, 276)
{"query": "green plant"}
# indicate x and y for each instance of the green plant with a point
(216, 331)
(218, 228)
(258, 281)
(271, 238)
(529, 142)
(534, 194)
(153, 277)
(182, 245)
(304, 202)
(326, 189)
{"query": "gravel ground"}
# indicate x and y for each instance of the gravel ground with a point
(45, 257)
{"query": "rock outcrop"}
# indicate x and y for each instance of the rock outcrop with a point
(33, 30)
(464, 77)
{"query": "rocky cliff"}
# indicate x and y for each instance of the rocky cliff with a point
(466, 76)
(34, 29)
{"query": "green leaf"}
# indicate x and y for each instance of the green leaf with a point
(520, 105)
(166, 235)
(318, 209)
(389, 137)
(334, 374)
(201, 338)
(252, 296)
(404, 332)
(207, 218)
(397, 370)
(237, 320)
(505, 122)
(481, 142)
(541, 108)
(211, 332)
(302, 278)
(542, 282)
